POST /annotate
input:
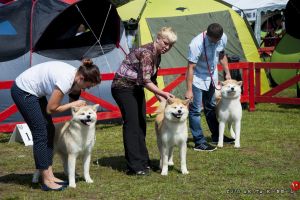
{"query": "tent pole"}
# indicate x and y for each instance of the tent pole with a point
(31, 28)
(97, 40)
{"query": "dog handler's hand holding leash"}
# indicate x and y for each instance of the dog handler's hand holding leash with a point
(189, 95)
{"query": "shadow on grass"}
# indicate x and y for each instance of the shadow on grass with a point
(119, 163)
(190, 143)
(288, 106)
(106, 126)
(26, 179)
(115, 162)
(20, 179)
(4, 138)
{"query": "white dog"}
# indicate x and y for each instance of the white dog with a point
(76, 137)
(171, 129)
(229, 110)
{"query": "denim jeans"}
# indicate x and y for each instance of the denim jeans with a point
(203, 100)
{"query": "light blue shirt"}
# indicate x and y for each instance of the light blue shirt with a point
(202, 78)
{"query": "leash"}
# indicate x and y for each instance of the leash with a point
(208, 67)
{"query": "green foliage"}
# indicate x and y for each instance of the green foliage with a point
(263, 168)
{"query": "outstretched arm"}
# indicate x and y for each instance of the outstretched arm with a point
(54, 103)
(224, 62)
(153, 88)
(189, 80)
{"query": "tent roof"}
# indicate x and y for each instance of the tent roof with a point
(185, 28)
(48, 26)
(263, 6)
(167, 9)
(131, 9)
(171, 8)
(255, 9)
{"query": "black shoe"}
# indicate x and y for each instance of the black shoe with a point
(46, 188)
(143, 172)
(148, 169)
(205, 147)
(138, 173)
(226, 140)
(63, 183)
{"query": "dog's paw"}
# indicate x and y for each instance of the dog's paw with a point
(36, 177)
(89, 180)
(237, 146)
(185, 172)
(72, 185)
(34, 180)
(220, 145)
(171, 163)
(164, 173)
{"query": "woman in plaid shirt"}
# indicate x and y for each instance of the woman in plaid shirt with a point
(139, 70)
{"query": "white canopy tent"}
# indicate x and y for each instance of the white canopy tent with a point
(255, 10)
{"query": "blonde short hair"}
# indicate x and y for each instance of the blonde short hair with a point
(167, 33)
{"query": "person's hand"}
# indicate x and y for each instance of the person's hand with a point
(227, 76)
(159, 98)
(168, 95)
(189, 95)
(79, 103)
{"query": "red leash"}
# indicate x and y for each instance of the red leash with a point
(208, 67)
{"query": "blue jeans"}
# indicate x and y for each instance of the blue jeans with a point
(206, 100)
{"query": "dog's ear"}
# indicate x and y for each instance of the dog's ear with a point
(95, 107)
(240, 83)
(170, 100)
(222, 83)
(74, 109)
(186, 102)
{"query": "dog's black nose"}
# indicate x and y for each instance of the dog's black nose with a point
(88, 116)
(232, 89)
(179, 111)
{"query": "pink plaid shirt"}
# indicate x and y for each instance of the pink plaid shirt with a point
(138, 68)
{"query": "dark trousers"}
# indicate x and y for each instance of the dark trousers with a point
(33, 110)
(132, 104)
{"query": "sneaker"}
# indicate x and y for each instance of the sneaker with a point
(138, 173)
(205, 147)
(226, 140)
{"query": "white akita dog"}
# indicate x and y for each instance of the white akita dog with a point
(76, 137)
(229, 110)
(171, 130)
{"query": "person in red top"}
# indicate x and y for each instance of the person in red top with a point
(139, 70)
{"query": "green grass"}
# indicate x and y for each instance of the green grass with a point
(263, 168)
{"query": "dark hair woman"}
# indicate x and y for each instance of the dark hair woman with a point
(54, 79)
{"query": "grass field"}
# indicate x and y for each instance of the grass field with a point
(263, 168)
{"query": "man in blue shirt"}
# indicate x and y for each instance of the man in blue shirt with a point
(205, 51)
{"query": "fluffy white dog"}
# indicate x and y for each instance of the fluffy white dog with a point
(171, 130)
(76, 137)
(229, 110)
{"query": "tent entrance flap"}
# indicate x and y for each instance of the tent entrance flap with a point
(187, 27)
(81, 25)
